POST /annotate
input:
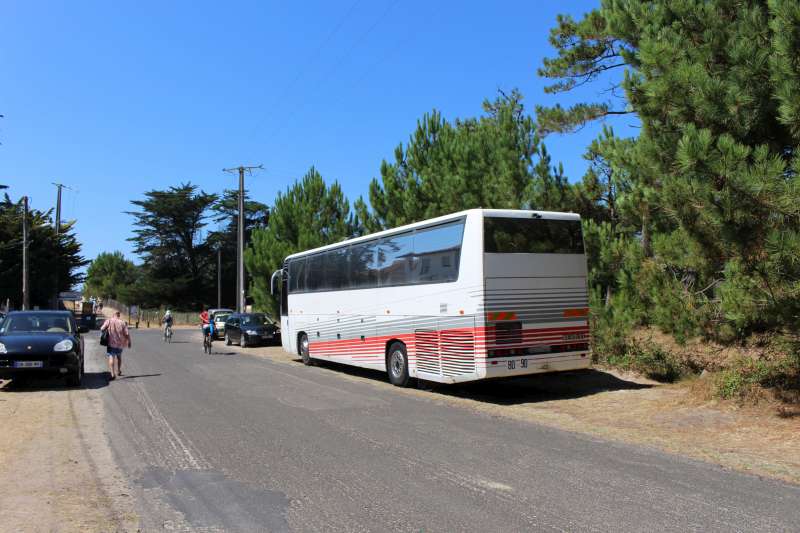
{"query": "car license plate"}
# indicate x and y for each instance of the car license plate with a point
(28, 364)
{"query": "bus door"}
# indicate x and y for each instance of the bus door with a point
(286, 337)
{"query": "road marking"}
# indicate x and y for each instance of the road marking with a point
(186, 458)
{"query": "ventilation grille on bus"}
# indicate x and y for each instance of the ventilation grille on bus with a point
(427, 346)
(458, 352)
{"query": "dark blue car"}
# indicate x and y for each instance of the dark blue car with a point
(34, 343)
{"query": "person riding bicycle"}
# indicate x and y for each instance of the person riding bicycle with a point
(207, 324)
(167, 321)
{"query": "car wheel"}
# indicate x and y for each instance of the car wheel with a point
(397, 364)
(227, 340)
(76, 378)
(243, 341)
(305, 353)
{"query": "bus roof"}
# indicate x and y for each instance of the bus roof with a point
(505, 213)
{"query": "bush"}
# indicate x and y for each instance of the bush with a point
(747, 379)
(649, 360)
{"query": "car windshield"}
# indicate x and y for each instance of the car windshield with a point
(36, 323)
(221, 317)
(258, 319)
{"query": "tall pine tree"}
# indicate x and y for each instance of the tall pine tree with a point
(307, 215)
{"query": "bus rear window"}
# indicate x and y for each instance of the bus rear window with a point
(532, 236)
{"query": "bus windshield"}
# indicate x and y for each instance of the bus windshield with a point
(532, 236)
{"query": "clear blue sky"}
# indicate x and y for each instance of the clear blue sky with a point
(114, 99)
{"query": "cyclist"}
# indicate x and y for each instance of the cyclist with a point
(207, 325)
(167, 321)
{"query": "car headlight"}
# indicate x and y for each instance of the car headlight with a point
(3, 348)
(251, 332)
(63, 346)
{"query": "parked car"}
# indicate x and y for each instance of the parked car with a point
(249, 329)
(34, 343)
(215, 310)
(219, 319)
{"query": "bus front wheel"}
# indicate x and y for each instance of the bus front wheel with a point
(397, 364)
(305, 354)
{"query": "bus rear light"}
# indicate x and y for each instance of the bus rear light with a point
(501, 315)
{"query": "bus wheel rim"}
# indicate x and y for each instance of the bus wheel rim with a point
(397, 363)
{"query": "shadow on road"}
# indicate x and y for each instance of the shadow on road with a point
(91, 380)
(511, 391)
(539, 387)
(134, 376)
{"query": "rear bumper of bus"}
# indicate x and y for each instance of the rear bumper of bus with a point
(524, 365)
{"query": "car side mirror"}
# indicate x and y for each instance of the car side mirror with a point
(83, 329)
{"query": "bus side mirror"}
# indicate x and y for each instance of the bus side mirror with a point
(275, 274)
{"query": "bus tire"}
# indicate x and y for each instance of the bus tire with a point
(302, 347)
(397, 364)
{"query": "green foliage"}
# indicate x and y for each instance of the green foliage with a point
(108, 274)
(746, 378)
(55, 260)
(494, 161)
(176, 261)
(309, 214)
(226, 213)
(710, 188)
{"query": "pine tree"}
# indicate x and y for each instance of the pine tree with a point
(714, 170)
(494, 161)
(307, 215)
(168, 237)
(55, 260)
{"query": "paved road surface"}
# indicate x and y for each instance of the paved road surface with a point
(232, 442)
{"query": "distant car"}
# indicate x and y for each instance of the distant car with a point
(248, 329)
(215, 310)
(34, 343)
(219, 319)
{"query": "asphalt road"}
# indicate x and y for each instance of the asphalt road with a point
(232, 442)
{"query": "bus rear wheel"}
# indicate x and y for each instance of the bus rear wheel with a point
(397, 364)
(305, 353)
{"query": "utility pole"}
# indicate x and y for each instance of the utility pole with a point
(219, 275)
(26, 301)
(59, 186)
(240, 283)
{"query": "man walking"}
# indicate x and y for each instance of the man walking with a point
(118, 338)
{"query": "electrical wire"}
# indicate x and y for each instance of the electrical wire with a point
(282, 124)
(310, 60)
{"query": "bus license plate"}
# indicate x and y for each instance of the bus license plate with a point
(28, 364)
(512, 364)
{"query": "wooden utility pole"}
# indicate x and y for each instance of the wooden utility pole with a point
(59, 186)
(219, 276)
(240, 282)
(26, 301)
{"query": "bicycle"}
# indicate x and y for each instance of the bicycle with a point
(207, 341)
(168, 334)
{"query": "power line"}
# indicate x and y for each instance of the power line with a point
(312, 58)
(279, 127)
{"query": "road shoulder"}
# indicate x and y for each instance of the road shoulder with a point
(57, 472)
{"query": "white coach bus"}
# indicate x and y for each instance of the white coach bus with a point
(483, 293)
